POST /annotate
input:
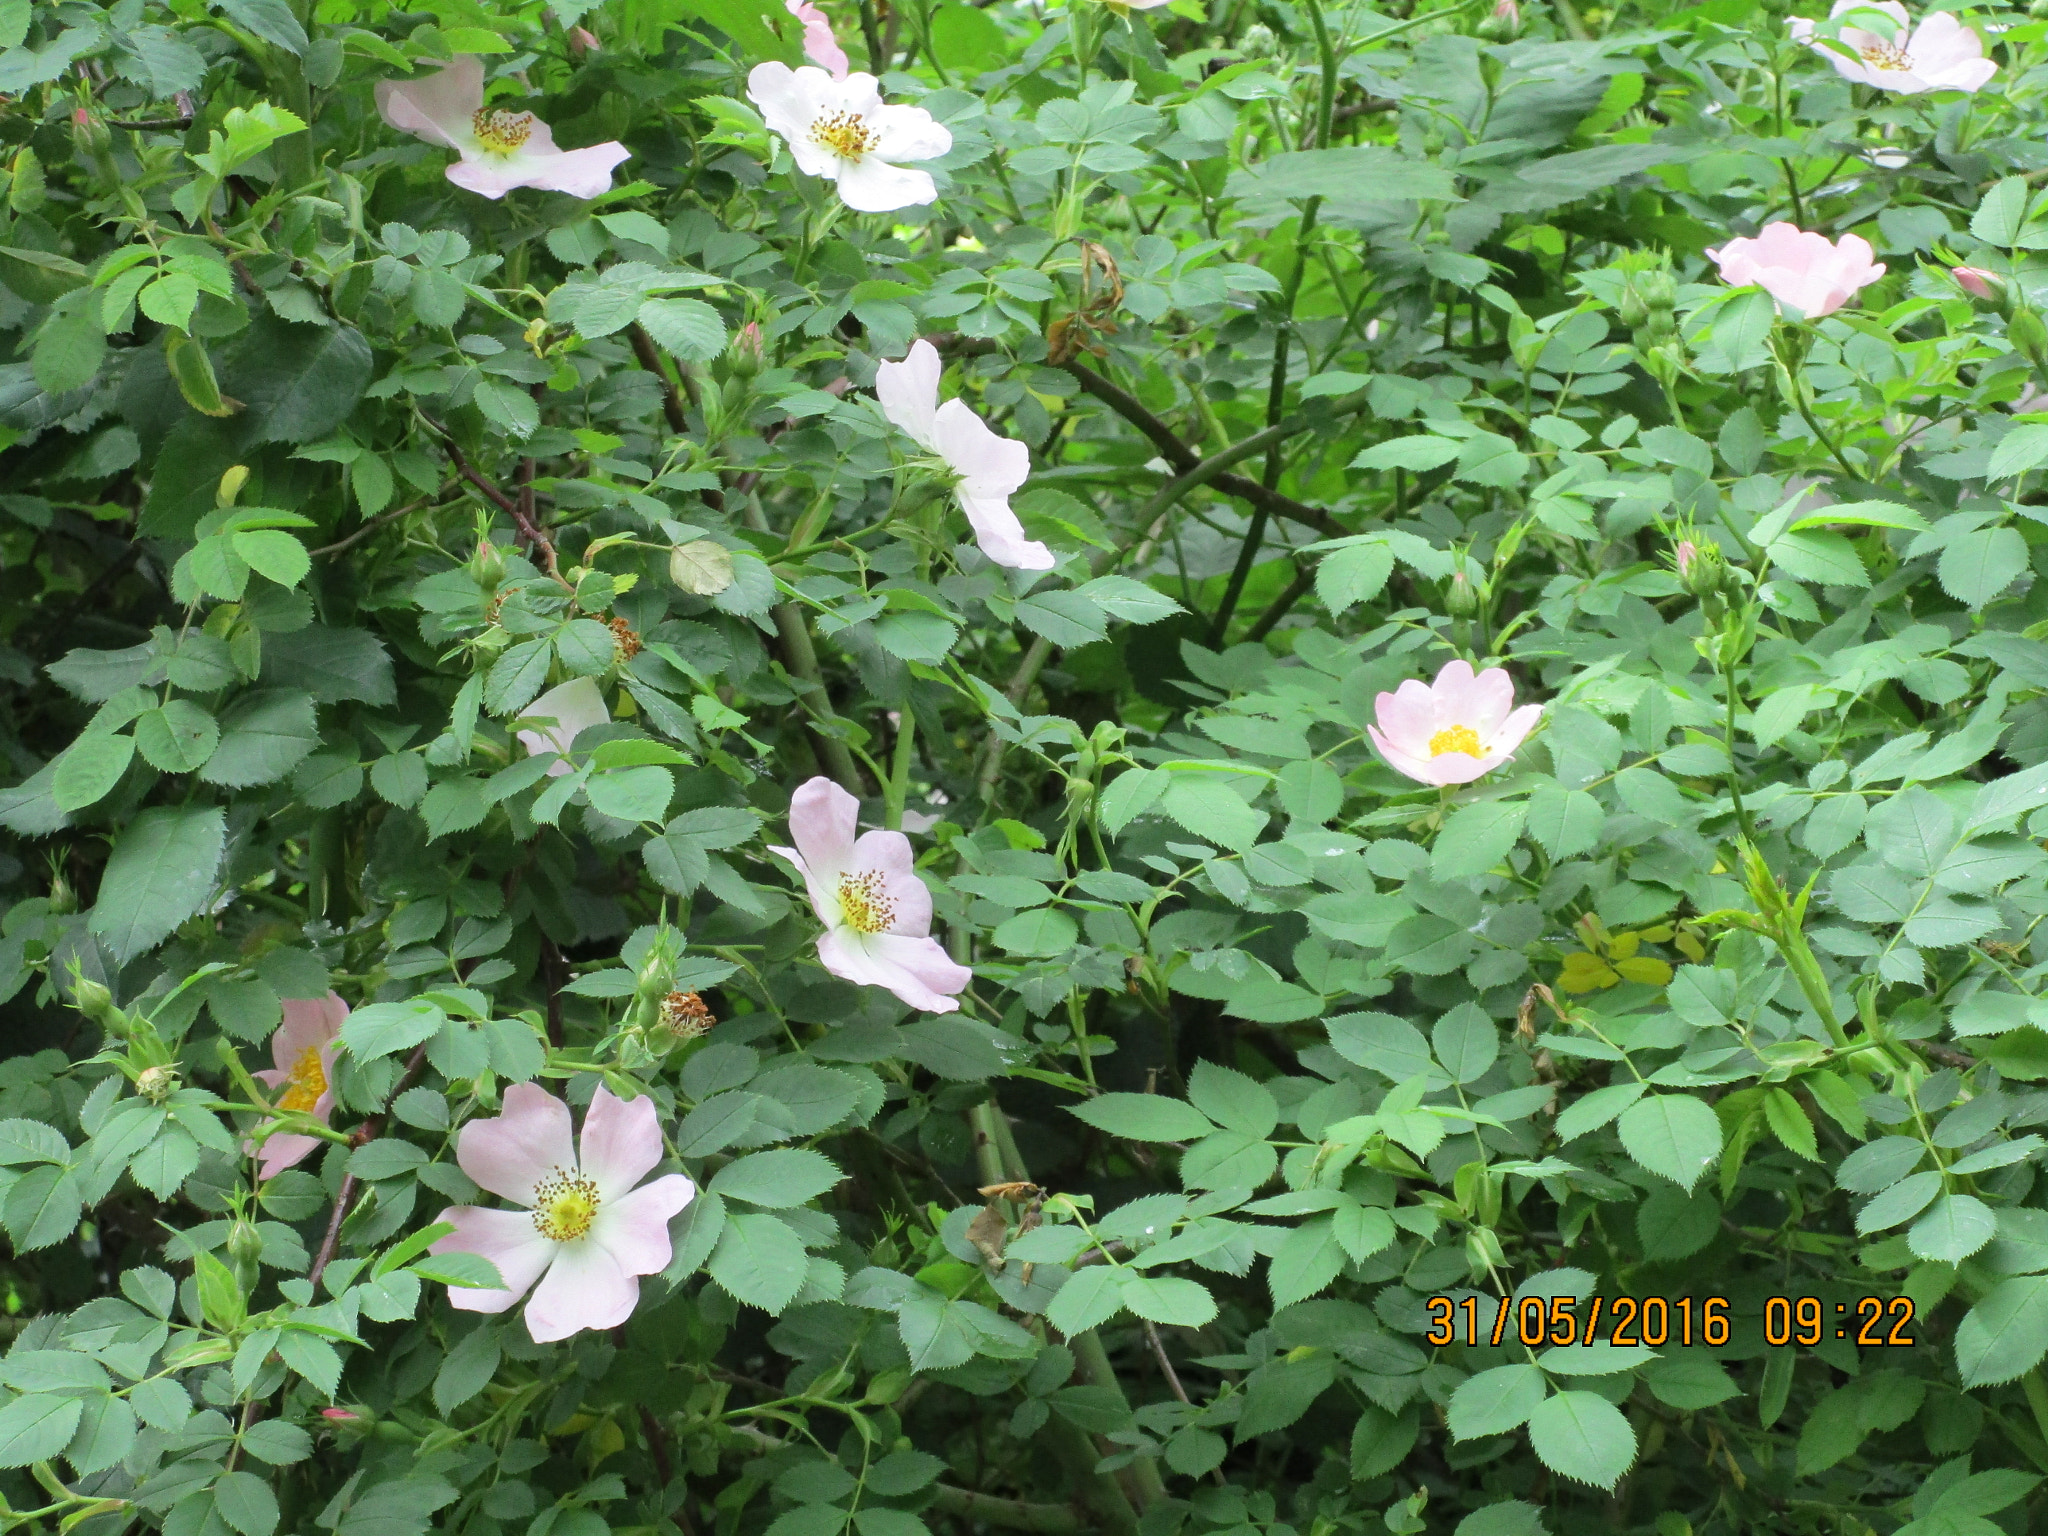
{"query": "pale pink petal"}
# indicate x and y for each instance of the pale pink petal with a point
(1001, 537)
(889, 855)
(908, 133)
(918, 971)
(509, 1240)
(909, 393)
(823, 822)
(510, 1153)
(574, 707)
(870, 185)
(820, 46)
(824, 901)
(1456, 692)
(634, 1228)
(789, 99)
(1487, 702)
(283, 1151)
(621, 1143)
(989, 465)
(1463, 767)
(1418, 766)
(583, 1288)
(438, 107)
(584, 173)
(1513, 731)
(1408, 716)
(310, 1024)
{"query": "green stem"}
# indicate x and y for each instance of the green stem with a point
(898, 786)
(1326, 105)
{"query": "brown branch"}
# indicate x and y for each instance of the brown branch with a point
(368, 1131)
(1011, 1514)
(529, 530)
(1304, 578)
(1159, 1353)
(649, 358)
(372, 526)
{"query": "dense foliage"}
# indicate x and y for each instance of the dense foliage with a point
(465, 574)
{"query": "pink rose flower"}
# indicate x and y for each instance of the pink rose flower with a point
(500, 150)
(986, 468)
(573, 708)
(585, 1233)
(1453, 730)
(877, 913)
(1941, 54)
(1977, 282)
(302, 1049)
(1799, 268)
(1685, 554)
(820, 46)
(843, 132)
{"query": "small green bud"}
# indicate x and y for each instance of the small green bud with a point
(1461, 599)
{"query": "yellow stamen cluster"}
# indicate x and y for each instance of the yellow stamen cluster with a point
(499, 130)
(308, 1080)
(1886, 56)
(1456, 738)
(564, 1206)
(864, 903)
(845, 134)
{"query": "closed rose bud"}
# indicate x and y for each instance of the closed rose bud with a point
(1504, 24)
(746, 354)
(156, 1083)
(88, 134)
(1461, 598)
(582, 42)
(1977, 282)
(1701, 570)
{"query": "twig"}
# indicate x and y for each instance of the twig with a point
(1011, 1514)
(529, 530)
(1159, 1353)
(650, 359)
(368, 1131)
(1304, 578)
(372, 526)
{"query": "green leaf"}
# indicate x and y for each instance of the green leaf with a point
(1089, 1298)
(176, 738)
(468, 1368)
(36, 1428)
(759, 1260)
(263, 736)
(1208, 807)
(1496, 1401)
(274, 553)
(631, 794)
(687, 329)
(777, 1179)
(90, 768)
(1954, 1228)
(1044, 931)
(1353, 177)
(1826, 559)
(1564, 821)
(1975, 567)
(1476, 838)
(1420, 452)
(1143, 1117)
(1582, 1436)
(1165, 1299)
(382, 1029)
(1673, 1135)
(1356, 573)
(160, 873)
(246, 1503)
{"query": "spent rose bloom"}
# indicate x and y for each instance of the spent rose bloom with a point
(986, 468)
(585, 1233)
(877, 913)
(842, 131)
(500, 150)
(820, 46)
(574, 707)
(303, 1052)
(1799, 268)
(1453, 730)
(1941, 54)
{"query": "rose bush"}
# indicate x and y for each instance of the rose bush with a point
(792, 766)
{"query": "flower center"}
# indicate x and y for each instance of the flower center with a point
(845, 134)
(1456, 738)
(499, 130)
(863, 903)
(564, 1206)
(1886, 56)
(307, 1082)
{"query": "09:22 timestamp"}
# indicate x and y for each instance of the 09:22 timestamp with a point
(1655, 1321)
